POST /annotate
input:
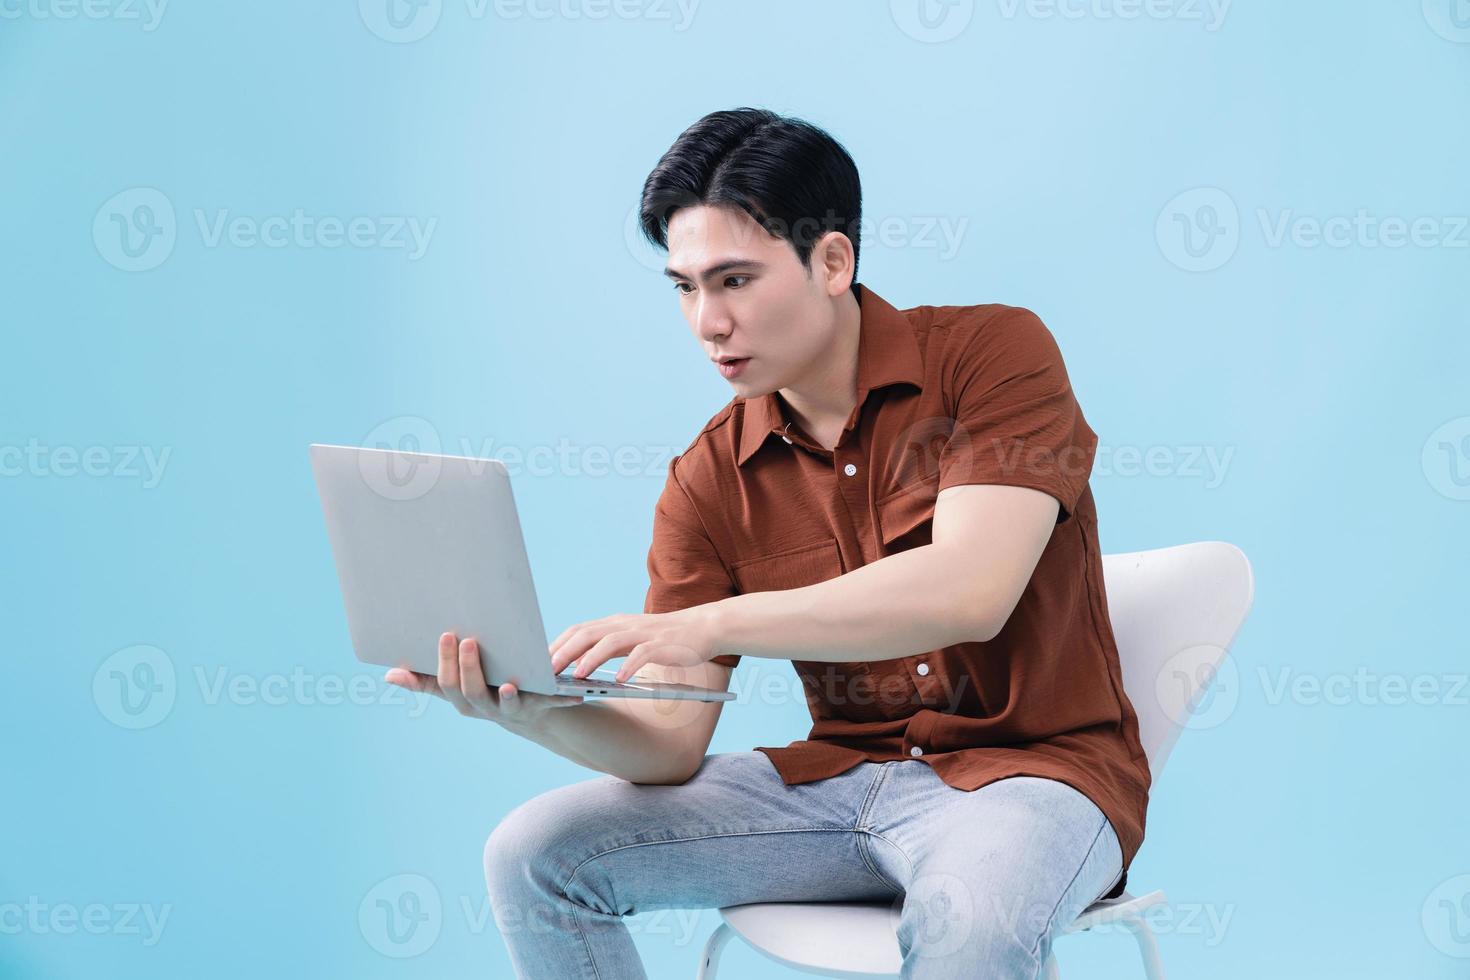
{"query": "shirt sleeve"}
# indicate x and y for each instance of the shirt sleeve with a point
(683, 567)
(1016, 420)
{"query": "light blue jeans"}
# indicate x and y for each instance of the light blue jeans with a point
(986, 878)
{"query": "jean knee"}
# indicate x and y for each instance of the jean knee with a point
(509, 850)
(537, 845)
(521, 840)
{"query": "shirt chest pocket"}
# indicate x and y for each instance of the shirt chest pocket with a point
(795, 568)
(905, 520)
(791, 568)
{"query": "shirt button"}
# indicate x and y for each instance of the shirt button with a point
(923, 670)
(916, 751)
(850, 470)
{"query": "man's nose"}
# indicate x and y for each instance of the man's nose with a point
(711, 320)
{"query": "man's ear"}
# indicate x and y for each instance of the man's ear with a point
(833, 259)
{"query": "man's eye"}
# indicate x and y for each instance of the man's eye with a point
(679, 287)
(731, 279)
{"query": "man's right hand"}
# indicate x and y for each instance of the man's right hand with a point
(461, 682)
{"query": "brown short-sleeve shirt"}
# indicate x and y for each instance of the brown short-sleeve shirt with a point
(946, 395)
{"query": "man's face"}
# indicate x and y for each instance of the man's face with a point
(745, 294)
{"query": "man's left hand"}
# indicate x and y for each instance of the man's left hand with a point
(685, 638)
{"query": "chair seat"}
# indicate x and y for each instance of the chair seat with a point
(860, 939)
(839, 939)
(1174, 612)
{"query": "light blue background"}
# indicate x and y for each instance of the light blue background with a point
(1318, 833)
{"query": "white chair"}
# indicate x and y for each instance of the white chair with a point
(1175, 612)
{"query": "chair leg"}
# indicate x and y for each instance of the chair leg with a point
(1148, 946)
(709, 960)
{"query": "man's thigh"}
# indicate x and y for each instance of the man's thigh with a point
(1010, 862)
(733, 833)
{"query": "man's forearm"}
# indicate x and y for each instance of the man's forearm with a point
(599, 735)
(912, 602)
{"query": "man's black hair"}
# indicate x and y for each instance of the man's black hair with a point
(791, 177)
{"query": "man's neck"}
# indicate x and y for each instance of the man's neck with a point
(822, 402)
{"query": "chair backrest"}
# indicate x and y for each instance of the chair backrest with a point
(1175, 612)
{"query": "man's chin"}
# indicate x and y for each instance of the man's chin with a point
(750, 389)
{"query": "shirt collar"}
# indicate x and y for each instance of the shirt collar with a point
(888, 354)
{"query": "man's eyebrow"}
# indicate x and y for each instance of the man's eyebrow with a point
(716, 270)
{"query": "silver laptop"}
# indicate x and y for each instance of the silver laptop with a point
(426, 544)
